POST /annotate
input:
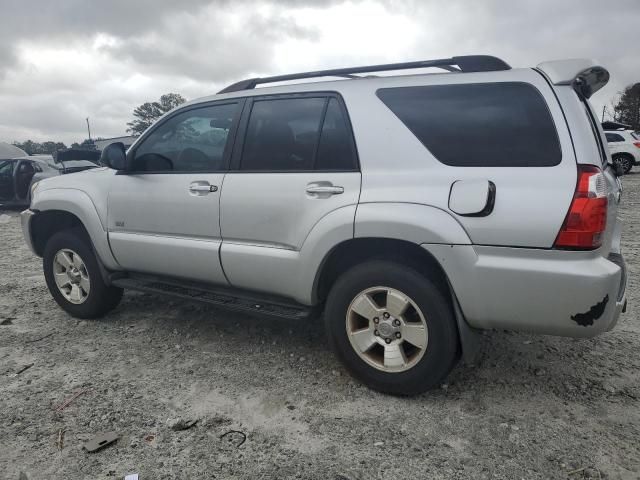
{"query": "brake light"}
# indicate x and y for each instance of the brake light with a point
(584, 226)
(637, 144)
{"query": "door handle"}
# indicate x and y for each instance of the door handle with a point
(202, 188)
(324, 189)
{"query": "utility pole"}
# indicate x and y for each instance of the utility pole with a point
(88, 129)
(604, 109)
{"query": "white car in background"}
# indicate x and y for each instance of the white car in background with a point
(624, 146)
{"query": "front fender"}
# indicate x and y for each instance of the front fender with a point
(79, 204)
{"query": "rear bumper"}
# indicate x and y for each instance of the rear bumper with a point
(576, 294)
(621, 300)
(25, 219)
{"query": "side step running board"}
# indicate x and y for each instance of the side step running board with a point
(253, 303)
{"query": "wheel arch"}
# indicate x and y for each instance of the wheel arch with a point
(58, 209)
(623, 154)
(49, 222)
(352, 252)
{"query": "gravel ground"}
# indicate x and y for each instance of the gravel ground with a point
(532, 406)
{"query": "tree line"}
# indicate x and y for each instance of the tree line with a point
(143, 117)
(627, 109)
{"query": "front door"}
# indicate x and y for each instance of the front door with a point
(6, 180)
(164, 210)
(297, 164)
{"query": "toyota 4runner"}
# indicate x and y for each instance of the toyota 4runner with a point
(413, 210)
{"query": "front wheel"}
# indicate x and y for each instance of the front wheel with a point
(73, 276)
(392, 327)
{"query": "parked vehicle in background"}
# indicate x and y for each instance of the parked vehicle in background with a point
(624, 146)
(18, 175)
(357, 197)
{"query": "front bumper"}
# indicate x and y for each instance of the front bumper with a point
(25, 219)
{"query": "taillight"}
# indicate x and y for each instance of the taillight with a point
(584, 226)
(637, 144)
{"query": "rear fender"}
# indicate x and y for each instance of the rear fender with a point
(411, 222)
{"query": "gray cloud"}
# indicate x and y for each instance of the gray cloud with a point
(65, 60)
(219, 54)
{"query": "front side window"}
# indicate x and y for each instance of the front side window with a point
(191, 141)
(479, 125)
(6, 168)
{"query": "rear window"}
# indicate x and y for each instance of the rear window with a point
(614, 137)
(479, 125)
(635, 135)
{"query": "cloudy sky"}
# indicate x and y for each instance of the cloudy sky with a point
(62, 61)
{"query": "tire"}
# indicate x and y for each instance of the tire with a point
(624, 161)
(73, 248)
(426, 304)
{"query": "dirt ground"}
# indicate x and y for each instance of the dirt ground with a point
(531, 407)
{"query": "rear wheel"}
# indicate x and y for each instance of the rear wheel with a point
(625, 162)
(392, 327)
(73, 276)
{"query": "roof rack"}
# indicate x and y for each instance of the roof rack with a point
(467, 63)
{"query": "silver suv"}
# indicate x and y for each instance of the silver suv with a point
(413, 210)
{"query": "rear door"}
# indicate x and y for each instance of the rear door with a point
(294, 163)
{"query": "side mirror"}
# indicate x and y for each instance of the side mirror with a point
(114, 156)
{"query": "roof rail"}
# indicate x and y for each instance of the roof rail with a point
(467, 63)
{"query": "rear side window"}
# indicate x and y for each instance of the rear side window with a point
(298, 134)
(479, 125)
(614, 137)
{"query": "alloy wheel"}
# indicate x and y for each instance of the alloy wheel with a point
(387, 329)
(71, 276)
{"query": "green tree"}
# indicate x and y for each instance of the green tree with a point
(35, 148)
(51, 147)
(28, 146)
(627, 110)
(147, 113)
(85, 145)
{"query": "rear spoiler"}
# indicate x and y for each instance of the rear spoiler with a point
(585, 76)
